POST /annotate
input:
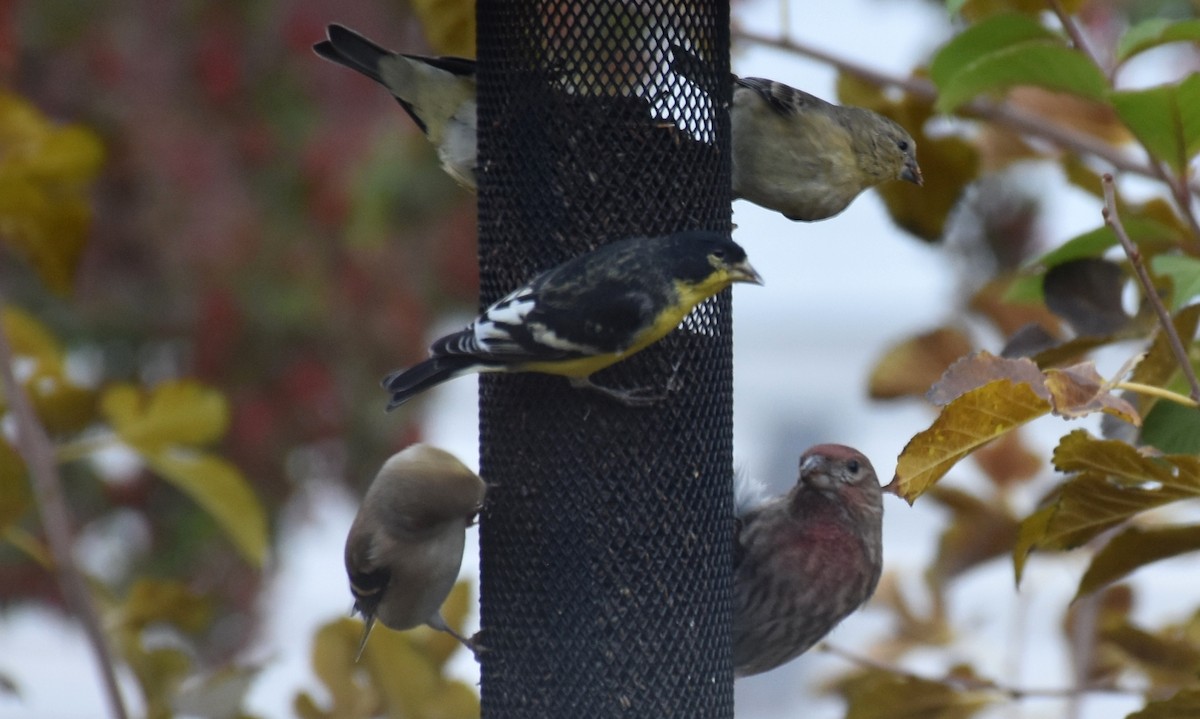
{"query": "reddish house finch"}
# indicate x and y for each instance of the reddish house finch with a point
(406, 544)
(805, 560)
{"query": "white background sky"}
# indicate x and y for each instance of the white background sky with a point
(837, 294)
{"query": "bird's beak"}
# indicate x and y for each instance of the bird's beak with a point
(912, 173)
(812, 472)
(744, 272)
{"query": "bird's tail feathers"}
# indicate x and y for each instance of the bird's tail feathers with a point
(408, 383)
(348, 48)
(692, 68)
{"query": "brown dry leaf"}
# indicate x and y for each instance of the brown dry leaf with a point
(1168, 659)
(1007, 460)
(1101, 662)
(1112, 482)
(948, 163)
(1134, 548)
(909, 368)
(1160, 365)
(449, 25)
(1185, 703)
(977, 370)
(1009, 317)
(1079, 114)
(1087, 294)
(979, 531)
(969, 422)
(1000, 147)
(1079, 390)
(976, 10)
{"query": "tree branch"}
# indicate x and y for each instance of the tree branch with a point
(1001, 113)
(1113, 220)
(971, 684)
(35, 448)
(1177, 185)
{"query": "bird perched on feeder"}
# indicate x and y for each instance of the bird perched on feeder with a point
(590, 312)
(405, 546)
(438, 93)
(792, 152)
(805, 560)
(807, 158)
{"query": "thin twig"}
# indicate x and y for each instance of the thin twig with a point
(1151, 390)
(1113, 220)
(1076, 35)
(36, 449)
(971, 684)
(1001, 113)
(1177, 185)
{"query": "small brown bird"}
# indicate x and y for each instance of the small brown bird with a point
(805, 560)
(793, 152)
(405, 546)
(807, 158)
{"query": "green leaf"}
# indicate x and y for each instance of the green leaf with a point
(176, 412)
(953, 6)
(1154, 32)
(220, 489)
(1134, 548)
(1185, 276)
(1046, 64)
(1112, 482)
(1144, 232)
(1166, 119)
(1172, 428)
(982, 39)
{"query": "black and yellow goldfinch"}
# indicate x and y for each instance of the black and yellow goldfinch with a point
(405, 546)
(793, 152)
(808, 159)
(438, 93)
(586, 314)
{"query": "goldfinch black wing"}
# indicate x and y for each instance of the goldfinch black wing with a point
(784, 99)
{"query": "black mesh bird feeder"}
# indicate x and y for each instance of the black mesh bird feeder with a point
(606, 538)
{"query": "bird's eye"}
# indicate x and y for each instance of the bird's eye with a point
(719, 253)
(852, 465)
(903, 145)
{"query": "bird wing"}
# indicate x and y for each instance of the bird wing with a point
(784, 99)
(368, 580)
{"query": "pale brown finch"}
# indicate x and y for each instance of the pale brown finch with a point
(405, 546)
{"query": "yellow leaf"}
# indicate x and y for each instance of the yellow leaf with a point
(878, 694)
(1185, 703)
(967, 423)
(1112, 482)
(151, 601)
(15, 498)
(1134, 548)
(449, 25)
(979, 531)
(909, 368)
(219, 488)
(176, 412)
(45, 171)
(28, 337)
